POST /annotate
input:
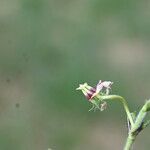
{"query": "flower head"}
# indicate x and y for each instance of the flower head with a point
(90, 93)
(93, 94)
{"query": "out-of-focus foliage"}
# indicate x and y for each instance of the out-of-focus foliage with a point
(48, 47)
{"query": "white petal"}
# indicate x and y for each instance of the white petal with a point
(107, 84)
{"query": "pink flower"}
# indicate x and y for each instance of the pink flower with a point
(90, 93)
(106, 85)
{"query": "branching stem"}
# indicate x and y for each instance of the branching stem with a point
(138, 126)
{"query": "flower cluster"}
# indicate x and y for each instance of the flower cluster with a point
(93, 94)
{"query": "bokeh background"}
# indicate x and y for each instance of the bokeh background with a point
(48, 47)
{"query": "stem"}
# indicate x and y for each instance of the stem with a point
(146, 124)
(129, 142)
(124, 102)
(138, 126)
(139, 120)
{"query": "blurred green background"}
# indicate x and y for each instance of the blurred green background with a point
(48, 47)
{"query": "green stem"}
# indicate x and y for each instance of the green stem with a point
(124, 102)
(129, 142)
(141, 116)
(138, 126)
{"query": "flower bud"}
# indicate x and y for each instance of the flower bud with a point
(87, 90)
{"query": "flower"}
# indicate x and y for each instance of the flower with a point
(93, 92)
